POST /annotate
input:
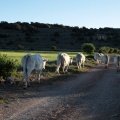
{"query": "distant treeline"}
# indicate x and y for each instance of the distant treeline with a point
(71, 36)
(36, 25)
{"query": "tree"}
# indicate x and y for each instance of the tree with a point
(88, 48)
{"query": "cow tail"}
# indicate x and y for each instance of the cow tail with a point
(59, 60)
(27, 57)
(58, 63)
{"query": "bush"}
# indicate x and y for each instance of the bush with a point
(108, 50)
(21, 47)
(8, 67)
(53, 48)
(111, 50)
(88, 48)
(116, 50)
(104, 49)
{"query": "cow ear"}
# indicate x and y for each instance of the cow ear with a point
(45, 60)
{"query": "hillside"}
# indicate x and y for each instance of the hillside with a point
(39, 36)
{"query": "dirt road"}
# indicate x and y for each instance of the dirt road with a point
(93, 95)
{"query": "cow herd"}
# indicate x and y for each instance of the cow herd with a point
(37, 62)
(105, 59)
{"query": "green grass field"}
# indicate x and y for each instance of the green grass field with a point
(50, 55)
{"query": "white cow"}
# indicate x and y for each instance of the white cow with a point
(104, 60)
(80, 60)
(117, 62)
(97, 57)
(63, 60)
(29, 63)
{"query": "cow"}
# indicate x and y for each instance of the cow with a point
(97, 57)
(80, 60)
(117, 62)
(29, 63)
(63, 60)
(104, 60)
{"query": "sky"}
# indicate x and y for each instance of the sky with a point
(87, 13)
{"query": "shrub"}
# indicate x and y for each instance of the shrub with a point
(8, 67)
(111, 50)
(21, 47)
(116, 50)
(104, 49)
(53, 48)
(88, 48)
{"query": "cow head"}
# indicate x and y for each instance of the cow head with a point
(44, 62)
(71, 60)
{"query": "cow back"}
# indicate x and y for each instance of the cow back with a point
(38, 62)
(65, 59)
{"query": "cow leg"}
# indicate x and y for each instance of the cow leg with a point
(80, 65)
(106, 66)
(38, 76)
(26, 82)
(101, 63)
(83, 64)
(57, 69)
(22, 80)
(66, 68)
(98, 62)
(77, 65)
(63, 69)
(117, 69)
